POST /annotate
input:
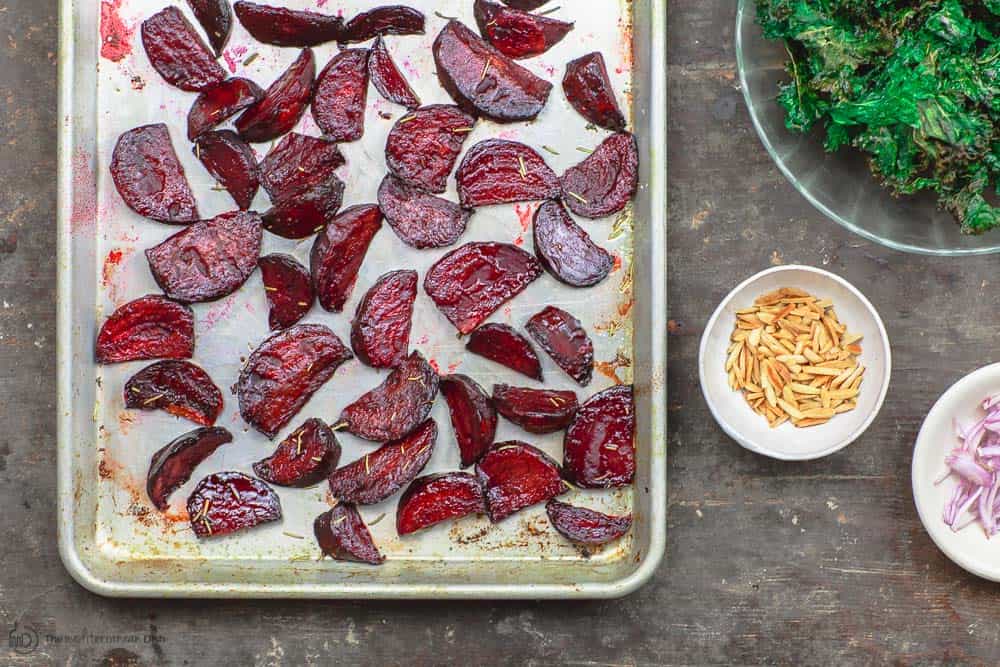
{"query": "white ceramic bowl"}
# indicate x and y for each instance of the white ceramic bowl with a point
(787, 442)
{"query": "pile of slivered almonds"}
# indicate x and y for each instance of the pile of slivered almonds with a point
(794, 360)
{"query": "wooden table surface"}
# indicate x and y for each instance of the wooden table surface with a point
(820, 563)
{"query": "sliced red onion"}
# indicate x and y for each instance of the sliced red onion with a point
(975, 462)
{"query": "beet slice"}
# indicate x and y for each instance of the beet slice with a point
(388, 20)
(605, 182)
(338, 252)
(304, 458)
(341, 94)
(421, 220)
(178, 387)
(172, 466)
(380, 332)
(231, 162)
(178, 53)
(288, 27)
(388, 80)
(599, 448)
(299, 218)
(471, 282)
(220, 102)
(150, 178)
(586, 526)
(435, 498)
(423, 146)
(565, 340)
(484, 81)
(588, 89)
(297, 165)
(502, 344)
(472, 416)
(283, 104)
(497, 171)
(151, 327)
(226, 502)
(566, 250)
(517, 475)
(284, 372)
(379, 474)
(515, 32)
(526, 5)
(216, 17)
(397, 406)
(535, 410)
(343, 535)
(207, 260)
(289, 290)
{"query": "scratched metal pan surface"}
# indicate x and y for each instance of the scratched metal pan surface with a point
(115, 543)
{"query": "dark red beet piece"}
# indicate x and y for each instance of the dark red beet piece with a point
(526, 5)
(151, 327)
(307, 215)
(605, 182)
(289, 290)
(435, 498)
(207, 260)
(338, 252)
(380, 332)
(297, 165)
(172, 466)
(497, 171)
(283, 104)
(284, 372)
(178, 53)
(586, 526)
(216, 17)
(341, 94)
(515, 32)
(304, 458)
(226, 502)
(388, 80)
(500, 343)
(472, 416)
(423, 146)
(221, 102)
(231, 162)
(343, 535)
(566, 250)
(388, 20)
(288, 27)
(535, 410)
(421, 220)
(397, 406)
(565, 340)
(379, 474)
(484, 81)
(150, 178)
(178, 387)
(517, 475)
(588, 89)
(599, 448)
(471, 282)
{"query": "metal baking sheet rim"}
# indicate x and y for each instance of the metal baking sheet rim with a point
(654, 128)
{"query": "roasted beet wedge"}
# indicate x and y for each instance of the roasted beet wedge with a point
(497, 171)
(173, 465)
(284, 372)
(515, 32)
(226, 502)
(301, 217)
(421, 220)
(599, 449)
(289, 290)
(484, 81)
(304, 458)
(517, 475)
(221, 102)
(472, 416)
(207, 260)
(178, 387)
(380, 332)
(283, 104)
(216, 17)
(471, 282)
(343, 535)
(586, 526)
(526, 5)
(423, 146)
(288, 27)
(341, 94)
(297, 165)
(388, 20)
(566, 250)
(178, 53)
(565, 340)
(605, 182)
(588, 89)
(502, 344)
(387, 79)
(535, 410)
(231, 162)
(338, 252)
(436, 498)
(151, 327)
(379, 474)
(150, 178)
(397, 406)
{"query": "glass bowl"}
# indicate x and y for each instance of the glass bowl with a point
(839, 184)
